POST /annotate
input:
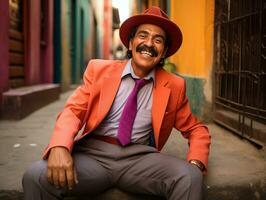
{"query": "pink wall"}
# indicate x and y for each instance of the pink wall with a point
(32, 42)
(47, 50)
(38, 62)
(107, 29)
(4, 48)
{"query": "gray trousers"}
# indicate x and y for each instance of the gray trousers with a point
(135, 168)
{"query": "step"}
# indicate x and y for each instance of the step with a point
(20, 102)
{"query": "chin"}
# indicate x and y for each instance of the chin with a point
(146, 63)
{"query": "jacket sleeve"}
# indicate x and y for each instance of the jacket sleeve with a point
(73, 116)
(197, 134)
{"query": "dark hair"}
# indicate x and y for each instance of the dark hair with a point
(132, 33)
(130, 37)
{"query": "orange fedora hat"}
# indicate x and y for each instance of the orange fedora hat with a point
(153, 15)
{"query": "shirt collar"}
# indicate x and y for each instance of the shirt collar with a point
(129, 71)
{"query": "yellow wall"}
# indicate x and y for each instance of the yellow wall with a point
(153, 3)
(195, 18)
(65, 82)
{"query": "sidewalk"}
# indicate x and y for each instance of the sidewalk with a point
(237, 170)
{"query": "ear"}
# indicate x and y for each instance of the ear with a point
(130, 45)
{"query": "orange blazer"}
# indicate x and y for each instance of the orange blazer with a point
(90, 103)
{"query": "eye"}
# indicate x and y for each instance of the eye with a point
(158, 40)
(141, 36)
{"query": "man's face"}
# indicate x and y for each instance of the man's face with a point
(148, 47)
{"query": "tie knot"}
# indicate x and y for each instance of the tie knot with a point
(139, 83)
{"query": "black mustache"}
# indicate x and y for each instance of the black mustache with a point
(144, 47)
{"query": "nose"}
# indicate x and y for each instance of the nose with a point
(149, 41)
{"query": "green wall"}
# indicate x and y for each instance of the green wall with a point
(72, 28)
(62, 42)
(81, 31)
(195, 93)
(194, 89)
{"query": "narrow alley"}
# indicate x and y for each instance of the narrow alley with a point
(46, 46)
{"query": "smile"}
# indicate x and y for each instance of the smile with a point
(147, 53)
(146, 50)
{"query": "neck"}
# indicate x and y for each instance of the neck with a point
(141, 73)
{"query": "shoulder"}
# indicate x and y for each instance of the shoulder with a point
(100, 63)
(96, 66)
(174, 80)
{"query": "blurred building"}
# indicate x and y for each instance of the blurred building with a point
(194, 59)
(45, 48)
(222, 57)
(75, 29)
(83, 30)
(26, 56)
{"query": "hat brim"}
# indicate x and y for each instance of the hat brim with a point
(173, 32)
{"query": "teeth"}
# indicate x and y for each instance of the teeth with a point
(146, 52)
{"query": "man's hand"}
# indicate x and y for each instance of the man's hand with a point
(60, 168)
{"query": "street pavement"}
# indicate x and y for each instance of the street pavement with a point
(237, 169)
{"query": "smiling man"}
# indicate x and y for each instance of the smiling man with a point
(128, 109)
(148, 46)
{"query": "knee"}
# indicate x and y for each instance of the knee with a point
(188, 176)
(33, 173)
(191, 180)
(196, 175)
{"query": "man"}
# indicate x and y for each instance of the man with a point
(129, 109)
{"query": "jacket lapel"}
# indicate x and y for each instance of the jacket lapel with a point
(108, 92)
(160, 100)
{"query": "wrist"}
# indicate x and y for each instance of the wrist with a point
(198, 164)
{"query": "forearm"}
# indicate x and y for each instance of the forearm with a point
(199, 145)
(72, 118)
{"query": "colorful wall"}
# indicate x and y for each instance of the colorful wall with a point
(81, 32)
(75, 40)
(141, 5)
(194, 59)
(38, 49)
(4, 49)
(47, 51)
(107, 24)
(53, 41)
(4, 41)
(26, 40)
(103, 17)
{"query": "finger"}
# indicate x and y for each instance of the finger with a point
(62, 178)
(49, 175)
(55, 178)
(75, 176)
(70, 178)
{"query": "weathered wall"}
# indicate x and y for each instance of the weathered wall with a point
(194, 59)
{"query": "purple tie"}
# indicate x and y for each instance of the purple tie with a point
(129, 113)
